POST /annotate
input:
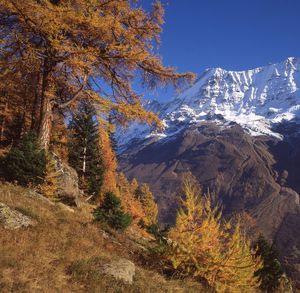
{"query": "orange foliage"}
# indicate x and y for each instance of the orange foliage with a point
(205, 246)
(54, 53)
(127, 195)
(145, 197)
(59, 138)
(109, 161)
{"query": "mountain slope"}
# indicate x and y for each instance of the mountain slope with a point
(241, 170)
(238, 133)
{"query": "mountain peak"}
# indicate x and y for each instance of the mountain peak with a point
(257, 99)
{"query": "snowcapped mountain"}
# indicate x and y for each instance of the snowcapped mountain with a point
(238, 133)
(257, 99)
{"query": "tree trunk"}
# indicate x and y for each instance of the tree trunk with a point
(45, 123)
(46, 109)
(23, 119)
(84, 157)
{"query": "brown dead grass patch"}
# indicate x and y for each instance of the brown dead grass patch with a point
(62, 252)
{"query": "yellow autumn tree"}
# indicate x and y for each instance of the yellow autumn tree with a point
(134, 185)
(15, 98)
(126, 193)
(197, 236)
(4, 115)
(56, 53)
(237, 272)
(109, 161)
(145, 197)
(59, 137)
(204, 246)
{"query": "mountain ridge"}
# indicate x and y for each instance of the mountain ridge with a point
(257, 99)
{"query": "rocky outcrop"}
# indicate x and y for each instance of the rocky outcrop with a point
(68, 189)
(121, 269)
(13, 219)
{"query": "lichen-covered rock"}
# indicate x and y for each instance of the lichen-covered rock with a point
(121, 269)
(13, 219)
(68, 189)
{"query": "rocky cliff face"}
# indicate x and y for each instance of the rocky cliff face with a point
(238, 133)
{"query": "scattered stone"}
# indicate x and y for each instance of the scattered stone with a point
(13, 219)
(105, 235)
(121, 269)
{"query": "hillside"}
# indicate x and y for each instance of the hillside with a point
(103, 191)
(66, 252)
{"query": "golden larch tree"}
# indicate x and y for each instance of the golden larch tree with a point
(197, 236)
(205, 246)
(126, 193)
(109, 161)
(237, 272)
(55, 53)
(145, 197)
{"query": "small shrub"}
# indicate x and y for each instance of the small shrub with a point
(111, 212)
(25, 163)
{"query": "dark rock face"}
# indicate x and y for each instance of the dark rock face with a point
(259, 175)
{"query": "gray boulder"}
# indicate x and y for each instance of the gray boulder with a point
(13, 219)
(121, 269)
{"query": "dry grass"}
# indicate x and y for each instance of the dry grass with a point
(63, 252)
(87, 272)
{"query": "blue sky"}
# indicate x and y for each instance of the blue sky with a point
(232, 34)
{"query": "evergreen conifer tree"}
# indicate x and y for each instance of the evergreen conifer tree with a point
(84, 150)
(26, 162)
(271, 272)
(111, 212)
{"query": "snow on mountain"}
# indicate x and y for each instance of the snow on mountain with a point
(256, 99)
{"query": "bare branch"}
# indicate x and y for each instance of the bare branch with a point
(75, 95)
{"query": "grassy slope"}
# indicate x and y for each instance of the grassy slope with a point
(63, 253)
